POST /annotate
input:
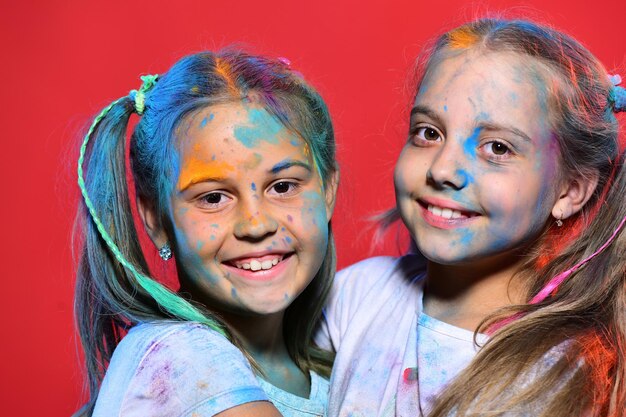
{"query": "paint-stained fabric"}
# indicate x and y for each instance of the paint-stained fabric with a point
(373, 321)
(394, 360)
(175, 369)
(291, 405)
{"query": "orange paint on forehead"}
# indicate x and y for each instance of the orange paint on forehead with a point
(197, 170)
(462, 38)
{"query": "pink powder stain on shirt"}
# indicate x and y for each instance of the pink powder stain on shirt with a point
(409, 375)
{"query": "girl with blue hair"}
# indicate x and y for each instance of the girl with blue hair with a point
(233, 161)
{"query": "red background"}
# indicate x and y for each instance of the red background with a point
(65, 60)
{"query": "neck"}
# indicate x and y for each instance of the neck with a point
(464, 295)
(262, 336)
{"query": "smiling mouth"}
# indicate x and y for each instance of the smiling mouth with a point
(258, 264)
(446, 212)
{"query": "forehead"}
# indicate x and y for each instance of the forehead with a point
(504, 87)
(234, 127)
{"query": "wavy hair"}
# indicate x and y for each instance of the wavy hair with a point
(582, 326)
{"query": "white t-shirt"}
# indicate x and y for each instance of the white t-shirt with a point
(385, 344)
(173, 369)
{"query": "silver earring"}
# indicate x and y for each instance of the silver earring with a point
(559, 222)
(165, 252)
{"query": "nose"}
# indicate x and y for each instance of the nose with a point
(254, 223)
(445, 170)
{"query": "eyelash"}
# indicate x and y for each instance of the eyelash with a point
(415, 133)
(293, 187)
(418, 138)
(203, 200)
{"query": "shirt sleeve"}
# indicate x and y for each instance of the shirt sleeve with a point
(189, 370)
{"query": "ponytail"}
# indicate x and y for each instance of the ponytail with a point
(114, 289)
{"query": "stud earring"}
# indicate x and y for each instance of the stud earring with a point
(165, 252)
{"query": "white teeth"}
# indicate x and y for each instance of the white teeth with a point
(435, 210)
(446, 213)
(255, 265)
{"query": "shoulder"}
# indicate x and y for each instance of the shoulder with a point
(381, 287)
(165, 368)
(380, 273)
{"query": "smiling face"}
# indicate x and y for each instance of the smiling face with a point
(479, 175)
(248, 210)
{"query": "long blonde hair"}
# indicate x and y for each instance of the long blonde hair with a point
(578, 333)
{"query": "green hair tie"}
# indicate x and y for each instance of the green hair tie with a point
(148, 81)
(172, 303)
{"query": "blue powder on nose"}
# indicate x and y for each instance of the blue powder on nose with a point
(471, 143)
(253, 186)
(288, 239)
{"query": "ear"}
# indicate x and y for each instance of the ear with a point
(574, 195)
(331, 193)
(151, 222)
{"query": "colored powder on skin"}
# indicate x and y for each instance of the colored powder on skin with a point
(294, 142)
(466, 177)
(253, 161)
(470, 145)
(253, 186)
(199, 245)
(288, 239)
(289, 218)
(445, 107)
(466, 237)
(233, 292)
(282, 229)
(215, 225)
(196, 170)
(212, 237)
(262, 127)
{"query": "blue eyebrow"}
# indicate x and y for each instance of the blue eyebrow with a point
(288, 163)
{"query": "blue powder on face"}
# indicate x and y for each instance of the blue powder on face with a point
(445, 107)
(206, 120)
(466, 237)
(253, 186)
(215, 225)
(470, 144)
(212, 237)
(465, 176)
(288, 239)
(262, 127)
(199, 245)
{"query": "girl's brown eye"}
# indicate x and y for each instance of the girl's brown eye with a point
(499, 148)
(430, 134)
